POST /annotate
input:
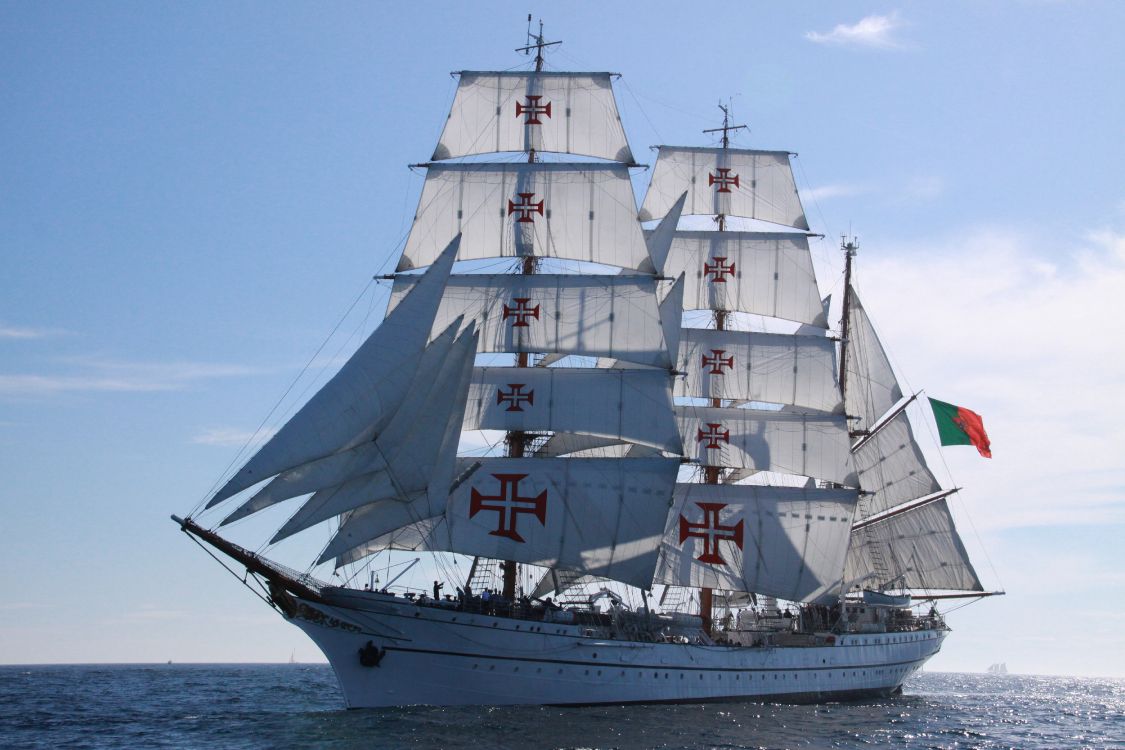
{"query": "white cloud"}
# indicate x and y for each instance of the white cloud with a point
(228, 436)
(872, 31)
(827, 192)
(20, 332)
(1027, 335)
(100, 375)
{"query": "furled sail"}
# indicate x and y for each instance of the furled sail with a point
(413, 452)
(766, 273)
(574, 211)
(780, 541)
(572, 113)
(891, 465)
(872, 388)
(600, 516)
(595, 316)
(732, 182)
(920, 545)
(625, 405)
(769, 367)
(382, 369)
(813, 445)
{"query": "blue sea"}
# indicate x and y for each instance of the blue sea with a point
(299, 706)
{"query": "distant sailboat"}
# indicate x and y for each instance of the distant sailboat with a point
(998, 668)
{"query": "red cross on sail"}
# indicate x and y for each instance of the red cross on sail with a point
(532, 108)
(718, 271)
(713, 435)
(516, 397)
(521, 312)
(716, 361)
(711, 532)
(508, 505)
(724, 180)
(525, 208)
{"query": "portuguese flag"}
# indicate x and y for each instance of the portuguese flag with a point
(959, 426)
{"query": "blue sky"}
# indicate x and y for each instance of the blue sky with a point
(192, 195)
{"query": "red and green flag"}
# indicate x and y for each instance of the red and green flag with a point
(959, 426)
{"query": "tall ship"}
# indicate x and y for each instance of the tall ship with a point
(693, 486)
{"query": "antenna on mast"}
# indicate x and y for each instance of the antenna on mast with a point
(535, 42)
(727, 127)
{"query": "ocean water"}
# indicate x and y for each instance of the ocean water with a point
(299, 706)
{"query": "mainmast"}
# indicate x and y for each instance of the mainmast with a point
(712, 474)
(517, 440)
(849, 247)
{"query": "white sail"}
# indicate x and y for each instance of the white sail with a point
(812, 445)
(770, 367)
(671, 317)
(625, 405)
(601, 516)
(574, 211)
(382, 370)
(920, 544)
(765, 273)
(595, 316)
(890, 465)
(410, 448)
(659, 239)
(365, 458)
(871, 387)
(780, 541)
(572, 113)
(732, 182)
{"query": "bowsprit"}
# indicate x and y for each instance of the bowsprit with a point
(509, 505)
(711, 532)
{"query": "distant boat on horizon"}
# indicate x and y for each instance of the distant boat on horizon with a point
(998, 668)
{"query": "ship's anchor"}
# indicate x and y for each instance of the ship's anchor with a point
(370, 656)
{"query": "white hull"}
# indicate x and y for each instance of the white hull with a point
(448, 657)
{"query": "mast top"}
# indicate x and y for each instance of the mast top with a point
(535, 42)
(727, 127)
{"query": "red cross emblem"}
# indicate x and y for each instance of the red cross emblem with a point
(532, 108)
(719, 270)
(515, 397)
(521, 312)
(714, 434)
(711, 532)
(716, 361)
(724, 180)
(508, 505)
(525, 208)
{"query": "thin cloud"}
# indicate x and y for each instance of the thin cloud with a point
(1024, 334)
(872, 31)
(21, 332)
(100, 375)
(827, 192)
(231, 437)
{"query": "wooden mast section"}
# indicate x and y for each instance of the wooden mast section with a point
(517, 440)
(712, 474)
